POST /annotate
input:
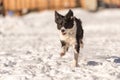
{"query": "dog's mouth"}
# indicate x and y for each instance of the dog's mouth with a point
(63, 33)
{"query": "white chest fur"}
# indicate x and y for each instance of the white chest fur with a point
(70, 36)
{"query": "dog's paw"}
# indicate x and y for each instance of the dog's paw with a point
(75, 64)
(62, 54)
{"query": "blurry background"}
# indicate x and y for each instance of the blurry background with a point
(20, 7)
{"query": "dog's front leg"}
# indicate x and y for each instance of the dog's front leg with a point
(64, 47)
(76, 54)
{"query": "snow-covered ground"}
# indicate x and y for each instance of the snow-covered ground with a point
(29, 47)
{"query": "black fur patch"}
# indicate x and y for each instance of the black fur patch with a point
(80, 31)
(63, 43)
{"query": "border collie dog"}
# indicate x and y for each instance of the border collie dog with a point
(71, 33)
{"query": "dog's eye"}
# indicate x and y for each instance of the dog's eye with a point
(69, 24)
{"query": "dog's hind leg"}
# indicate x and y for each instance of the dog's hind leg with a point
(76, 55)
(64, 47)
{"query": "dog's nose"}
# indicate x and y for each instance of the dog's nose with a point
(62, 30)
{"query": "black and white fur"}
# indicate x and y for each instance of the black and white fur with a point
(71, 33)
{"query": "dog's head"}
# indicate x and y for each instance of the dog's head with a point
(64, 22)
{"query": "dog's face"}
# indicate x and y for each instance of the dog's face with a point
(64, 23)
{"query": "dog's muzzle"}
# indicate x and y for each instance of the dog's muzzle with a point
(63, 31)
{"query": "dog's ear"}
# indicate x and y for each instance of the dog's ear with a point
(57, 16)
(69, 14)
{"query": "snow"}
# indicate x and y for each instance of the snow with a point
(29, 47)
